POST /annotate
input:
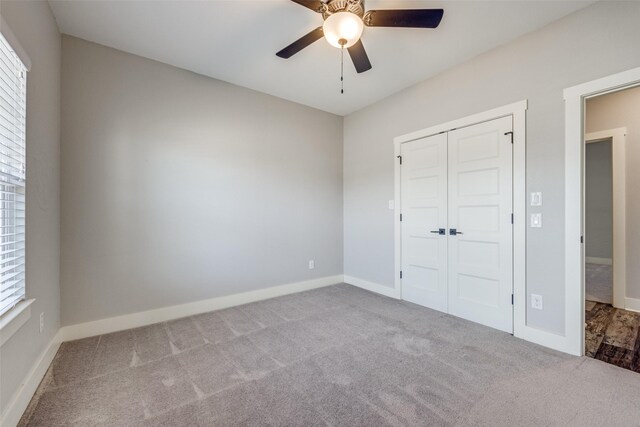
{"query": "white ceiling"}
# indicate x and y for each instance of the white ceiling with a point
(236, 41)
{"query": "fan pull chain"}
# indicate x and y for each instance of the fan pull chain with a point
(342, 69)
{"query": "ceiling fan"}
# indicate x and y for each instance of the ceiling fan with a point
(344, 21)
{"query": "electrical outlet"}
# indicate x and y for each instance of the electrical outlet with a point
(41, 322)
(392, 205)
(536, 301)
(312, 265)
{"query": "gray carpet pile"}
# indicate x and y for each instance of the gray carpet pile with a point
(337, 356)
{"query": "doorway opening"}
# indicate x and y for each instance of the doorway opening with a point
(611, 160)
(576, 98)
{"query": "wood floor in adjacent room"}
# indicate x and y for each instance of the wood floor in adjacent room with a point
(612, 335)
(337, 356)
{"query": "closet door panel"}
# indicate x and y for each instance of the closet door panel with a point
(424, 212)
(479, 216)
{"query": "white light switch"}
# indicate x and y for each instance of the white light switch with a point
(536, 199)
(312, 264)
(392, 204)
(536, 220)
(536, 301)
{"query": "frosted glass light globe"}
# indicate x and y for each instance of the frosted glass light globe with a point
(343, 25)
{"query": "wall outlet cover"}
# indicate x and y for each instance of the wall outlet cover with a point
(392, 204)
(536, 302)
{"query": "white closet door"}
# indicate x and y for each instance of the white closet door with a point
(424, 212)
(480, 207)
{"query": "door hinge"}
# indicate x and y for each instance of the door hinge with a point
(511, 218)
(581, 239)
(510, 133)
(400, 157)
(400, 217)
(511, 299)
(401, 274)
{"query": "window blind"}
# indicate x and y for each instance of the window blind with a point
(13, 79)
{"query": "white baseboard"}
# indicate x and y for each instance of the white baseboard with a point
(373, 287)
(135, 320)
(20, 400)
(546, 339)
(632, 304)
(596, 260)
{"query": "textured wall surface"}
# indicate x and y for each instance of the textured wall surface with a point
(178, 187)
(598, 200)
(591, 43)
(35, 29)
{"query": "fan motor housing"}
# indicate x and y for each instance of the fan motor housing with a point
(334, 6)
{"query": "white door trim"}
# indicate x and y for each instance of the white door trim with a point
(518, 111)
(573, 341)
(618, 149)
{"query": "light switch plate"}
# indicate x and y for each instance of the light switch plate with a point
(536, 220)
(536, 199)
(392, 204)
(312, 264)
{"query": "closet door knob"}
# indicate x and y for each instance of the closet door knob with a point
(454, 232)
(439, 231)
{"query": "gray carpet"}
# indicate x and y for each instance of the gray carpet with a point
(335, 356)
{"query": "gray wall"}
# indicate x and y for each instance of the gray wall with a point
(178, 187)
(599, 40)
(34, 26)
(622, 109)
(599, 200)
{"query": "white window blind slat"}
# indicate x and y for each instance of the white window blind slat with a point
(10, 179)
(14, 253)
(10, 291)
(13, 99)
(6, 277)
(8, 90)
(6, 77)
(10, 112)
(11, 301)
(11, 149)
(10, 259)
(6, 56)
(9, 267)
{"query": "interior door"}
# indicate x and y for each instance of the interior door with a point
(480, 223)
(424, 221)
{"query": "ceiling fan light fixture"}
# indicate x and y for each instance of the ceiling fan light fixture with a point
(343, 29)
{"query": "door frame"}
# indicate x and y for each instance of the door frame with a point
(618, 149)
(518, 111)
(575, 98)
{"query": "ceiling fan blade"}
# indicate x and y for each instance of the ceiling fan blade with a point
(359, 57)
(301, 43)
(407, 18)
(315, 5)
